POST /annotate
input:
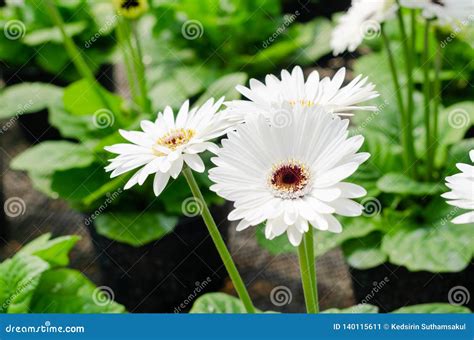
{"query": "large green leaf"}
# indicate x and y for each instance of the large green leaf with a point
(135, 229)
(51, 156)
(68, 291)
(432, 308)
(218, 303)
(27, 98)
(313, 37)
(224, 86)
(437, 247)
(323, 240)
(364, 252)
(19, 277)
(398, 183)
(53, 34)
(81, 98)
(54, 251)
(357, 309)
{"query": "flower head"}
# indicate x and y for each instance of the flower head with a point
(446, 11)
(290, 176)
(131, 9)
(462, 191)
(165, 145)
(362, 20)
(292, 89)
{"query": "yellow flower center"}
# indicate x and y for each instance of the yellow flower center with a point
(174, 138)
(302, 102)
(289, 180)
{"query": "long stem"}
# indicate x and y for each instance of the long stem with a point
(306, 279)
(426, 95)
(437, 98)
(396, 83)
(219, 243)
(410, 90)
(75, 54)
(309, 244)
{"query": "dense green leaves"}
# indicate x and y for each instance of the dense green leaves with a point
(53, 34)
(218, 303)
(69, 291)
(364, 252)
(432, 308)
(135, 229)
(397, 183)
(224, 86)
(27, 98)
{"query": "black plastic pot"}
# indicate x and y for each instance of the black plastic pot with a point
(390, 287)
(168, 275)
(35, 126)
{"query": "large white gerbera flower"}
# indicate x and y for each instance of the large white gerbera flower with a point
(290, 176)
(164, 145)
(292, 89)
(462, 191)
(446, 11)
(362, 21)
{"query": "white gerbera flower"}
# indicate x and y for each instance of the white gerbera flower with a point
(292, 89)
(362, 21)
(164, 145)
(290, 176)
(462, 191)
(446, 11)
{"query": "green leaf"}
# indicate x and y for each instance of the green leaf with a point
(68, 291)
(323, 240)
(358, 309)
(364, 252)
(224, 86)
(133, 229)
(53, 34)
(81, 98)
(437, 247)
(54, 251)
(27, 98)
(19, 277)
(314, 37)
(458, 153)
(432, 308)
(397, 183)
(218, 303)
(51, 156)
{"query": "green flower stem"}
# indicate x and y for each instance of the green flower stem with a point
(410, 88)
(219, 243)
(396, 83)
(306, 279)
(75, 54)
(437, 97)
(140, 67)
(426, 95)
(125, 47)
(309, 245)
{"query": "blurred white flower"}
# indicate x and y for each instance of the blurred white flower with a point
(292, 89)
(362, 20)
(166, 144)
(290, 176)
(446, 11)
(462, 191)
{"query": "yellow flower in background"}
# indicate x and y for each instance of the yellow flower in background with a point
(131, 9)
